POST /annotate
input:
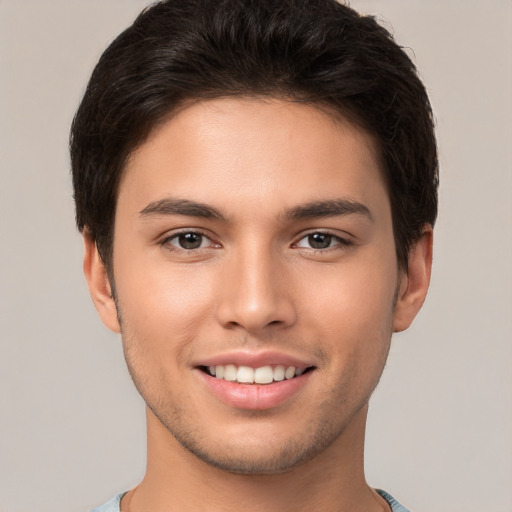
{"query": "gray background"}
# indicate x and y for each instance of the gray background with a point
(71, 424)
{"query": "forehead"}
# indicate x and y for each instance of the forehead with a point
(253, 150)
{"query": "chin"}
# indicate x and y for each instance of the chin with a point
(260, 453)
(243, 461)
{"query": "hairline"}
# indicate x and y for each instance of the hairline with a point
(339, 114)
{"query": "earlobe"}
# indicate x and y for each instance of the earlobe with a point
(99, 284)
(415, 282)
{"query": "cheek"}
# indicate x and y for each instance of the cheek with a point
(164, 303)
(352, 311)
(352, 294)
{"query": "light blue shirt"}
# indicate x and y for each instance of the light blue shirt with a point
(113, 504)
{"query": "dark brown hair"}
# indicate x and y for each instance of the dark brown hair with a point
(315, 51)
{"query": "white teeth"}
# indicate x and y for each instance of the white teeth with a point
(289, 372)
(264, 375)
(248, 375)
(230, 372)
(279, 373)
(245, 374)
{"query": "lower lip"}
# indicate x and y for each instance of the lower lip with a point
(254, 396)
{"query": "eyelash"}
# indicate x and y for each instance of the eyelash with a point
(339, 241)
(168, 241)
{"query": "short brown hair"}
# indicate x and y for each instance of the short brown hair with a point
(314, 51)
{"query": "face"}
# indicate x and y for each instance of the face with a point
(256, 279)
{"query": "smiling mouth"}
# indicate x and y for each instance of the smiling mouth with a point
(247, 375)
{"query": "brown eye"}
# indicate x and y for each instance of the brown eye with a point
(320, 240)
(188, 241)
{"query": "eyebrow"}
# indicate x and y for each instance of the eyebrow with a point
(172, 206)
(328, 208)
(312, 210)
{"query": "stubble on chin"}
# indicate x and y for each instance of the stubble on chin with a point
(329, 420)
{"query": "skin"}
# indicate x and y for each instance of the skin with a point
(256, 284)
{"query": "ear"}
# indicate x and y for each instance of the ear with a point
(99, 284)
(414, 283)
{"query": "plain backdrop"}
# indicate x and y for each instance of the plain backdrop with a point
(72, 428)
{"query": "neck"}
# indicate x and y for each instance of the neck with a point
(333, 481)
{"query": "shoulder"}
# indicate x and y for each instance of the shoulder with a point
(395, 506)
(114, 504)
(110, 506)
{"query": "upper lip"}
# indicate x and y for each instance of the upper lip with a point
(255, 359)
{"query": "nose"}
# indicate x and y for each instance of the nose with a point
(255, 292)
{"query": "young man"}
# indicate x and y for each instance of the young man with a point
(256, 183)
